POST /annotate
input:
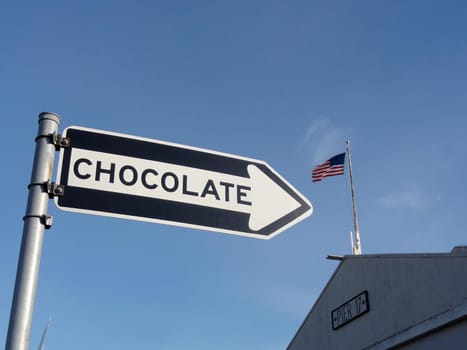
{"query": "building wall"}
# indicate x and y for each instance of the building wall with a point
(452, 337)
(403, 290)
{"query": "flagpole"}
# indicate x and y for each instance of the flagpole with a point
(357, 250)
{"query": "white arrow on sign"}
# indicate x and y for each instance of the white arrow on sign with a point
(119, 175)
(258, 196)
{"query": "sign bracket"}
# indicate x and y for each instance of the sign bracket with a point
(54, 190)
(46, 220)
(57, 140)
(51, 188)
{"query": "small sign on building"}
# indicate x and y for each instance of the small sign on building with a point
(350, 310)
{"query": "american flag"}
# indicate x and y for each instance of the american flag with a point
(331, 167)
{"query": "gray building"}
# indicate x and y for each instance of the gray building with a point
(390, 301)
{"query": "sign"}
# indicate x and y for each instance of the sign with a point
(350, 310)
(124, 176)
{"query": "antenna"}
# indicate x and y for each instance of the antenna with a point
(41, 344)
(356, 248)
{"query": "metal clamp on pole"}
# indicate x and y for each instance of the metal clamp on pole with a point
(57, 140)
(22, 306)
(51, 188)
(46, 220)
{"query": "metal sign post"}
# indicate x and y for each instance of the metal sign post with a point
(35, 221)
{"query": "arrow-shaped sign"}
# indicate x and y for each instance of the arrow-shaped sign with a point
(119, 175)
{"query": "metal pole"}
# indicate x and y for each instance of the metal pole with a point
(35, 222)
(357, 250)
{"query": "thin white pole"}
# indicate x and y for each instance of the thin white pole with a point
(357, 250)
(22, 307)
(42, 343)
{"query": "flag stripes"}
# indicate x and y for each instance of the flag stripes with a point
(331, 167)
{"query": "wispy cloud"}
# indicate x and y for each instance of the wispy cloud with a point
(324, 139)
(411, 196)
(316, 127)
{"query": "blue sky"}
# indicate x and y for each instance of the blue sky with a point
(284, 82)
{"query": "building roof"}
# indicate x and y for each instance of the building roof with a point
(405, 294)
